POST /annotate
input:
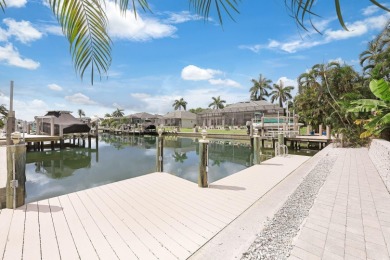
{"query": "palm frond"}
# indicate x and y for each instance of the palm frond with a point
(3, 4)
(124, 5)
(203, 7)
(84, 23)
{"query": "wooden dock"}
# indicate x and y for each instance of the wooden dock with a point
(41, 142)
(155, 216)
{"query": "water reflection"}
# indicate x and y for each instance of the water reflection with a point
(115, 158)
(60, 164)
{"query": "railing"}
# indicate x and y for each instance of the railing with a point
(287, 133)
(281, 149)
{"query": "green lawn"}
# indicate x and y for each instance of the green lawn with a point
(216, 131)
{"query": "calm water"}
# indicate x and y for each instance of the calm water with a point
(53, 173)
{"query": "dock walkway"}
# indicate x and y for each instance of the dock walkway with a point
(155, 216)
(350, 218)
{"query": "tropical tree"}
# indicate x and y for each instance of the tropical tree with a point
(84, 23)
(180, 103)
(80, 112)
(376, 59)
(3, 114)
(281, 93)
(196, 110)
(326, 93)
(118, 113)
(367, 58)
(217, 103)
(259, 89)
(378, 122)
(107, 115)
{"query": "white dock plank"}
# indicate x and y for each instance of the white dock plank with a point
(186, 237)
(49, 245)
(14, 247)
(5, 225)
(32, 241)
(200, 226)
(100, 244)
(116, 241)
(134, 242)
(65, 240)
(185, 210)
(203, 207)
(80, 236)
(155, 206)
(177, 244)
(143, 231)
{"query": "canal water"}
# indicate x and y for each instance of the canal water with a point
(114, 158)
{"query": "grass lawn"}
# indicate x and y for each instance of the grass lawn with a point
(217, 131)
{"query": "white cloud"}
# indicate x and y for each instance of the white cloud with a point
(339, 60)
(225, 82)
(255, 48)
(23, 30)
(298, 43)
(182, 17)
(370, 10)
(53, 29)
(135, 29)
(140, 95)
(11, 56)
(3, 35)
(289, 82)
(54, 87)
(116, 105)
(192, 72)
(80, 99)
(16, 3)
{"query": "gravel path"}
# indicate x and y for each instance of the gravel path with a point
(274, 241)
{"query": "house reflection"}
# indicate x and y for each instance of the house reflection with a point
(62, 163)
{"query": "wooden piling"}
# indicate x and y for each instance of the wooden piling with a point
(20, 175)
(160, 154)
(203, 164)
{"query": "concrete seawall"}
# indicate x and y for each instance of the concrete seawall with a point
(380, 155)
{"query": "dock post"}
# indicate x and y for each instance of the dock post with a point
(52, 145)
(328, 132)
(89, 142)
(160, 154)
(320, 130)
(204, 160)
(16, 176)
(257, 149)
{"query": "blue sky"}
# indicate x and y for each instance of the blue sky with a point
(172, 53)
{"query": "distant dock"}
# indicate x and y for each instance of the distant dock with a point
(40, 142)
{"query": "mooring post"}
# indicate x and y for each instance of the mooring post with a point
(204, 160)
(160, 151)
(257, 148)
(16, 176)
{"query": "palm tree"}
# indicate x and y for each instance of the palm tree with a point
(217, 103)
(80, 113)
(281, 93)
(118, 113)
(84, 23)
(179, 157)
(180, 103)
(367, 57)
(259, 89)
(3, 115)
